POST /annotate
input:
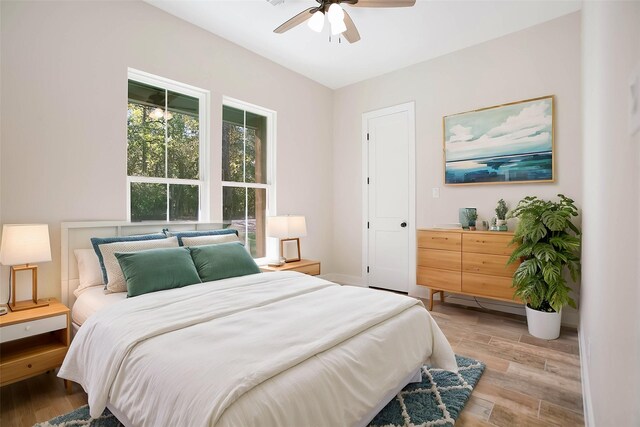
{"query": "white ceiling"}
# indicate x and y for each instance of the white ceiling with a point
(391, 38)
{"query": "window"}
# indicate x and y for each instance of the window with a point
(166, 141)
(247, 184)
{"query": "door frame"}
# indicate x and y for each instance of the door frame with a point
(410, 108)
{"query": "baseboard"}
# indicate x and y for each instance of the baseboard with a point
(485, 303)
(569, 319)
(584, 373)
(343, 279)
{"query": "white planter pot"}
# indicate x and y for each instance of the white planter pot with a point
(542, 324)
(500, 222)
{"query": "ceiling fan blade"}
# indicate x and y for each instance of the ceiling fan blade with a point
(383, 3)
(351, 35)
(296, 20)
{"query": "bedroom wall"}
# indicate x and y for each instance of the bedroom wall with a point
(64, 93)
(538, 61)
(609, 316)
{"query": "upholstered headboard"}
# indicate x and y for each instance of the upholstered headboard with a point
(77, 235)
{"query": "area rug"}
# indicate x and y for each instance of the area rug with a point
(436, 401)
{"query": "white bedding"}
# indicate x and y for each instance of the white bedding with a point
(268, 349)
(91, 300)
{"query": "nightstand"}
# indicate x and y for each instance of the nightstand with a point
(34, 341)
(306, 266)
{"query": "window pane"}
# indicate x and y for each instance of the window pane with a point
(256, 149)
(245, 209)
(148, 201)
(145, 139)
(232, 144)
(183, 202)
(183, 134)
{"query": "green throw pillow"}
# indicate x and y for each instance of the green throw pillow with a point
(221, 261)
(157, 269)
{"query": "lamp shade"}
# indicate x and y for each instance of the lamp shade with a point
(286, 226)
(316, 23)
(338, 27)
(335, 13)
(25, 244)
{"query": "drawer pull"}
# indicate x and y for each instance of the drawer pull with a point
(29, 366)
(440, 238)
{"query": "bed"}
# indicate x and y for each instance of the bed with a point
(267, 349)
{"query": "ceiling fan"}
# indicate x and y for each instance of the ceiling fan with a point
(339, 19)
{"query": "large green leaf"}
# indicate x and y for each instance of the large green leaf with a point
(554, 220)
(544, 252)
(551, 273)
(536, 232)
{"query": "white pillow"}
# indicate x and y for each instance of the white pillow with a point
(209, 240)
(116, 281)
(89, 271)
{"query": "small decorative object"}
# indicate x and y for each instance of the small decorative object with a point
(22, 246)
(549, 244)
(510, 143)
(289, 229)
(485, 225)
(501, 215)
(467, 217)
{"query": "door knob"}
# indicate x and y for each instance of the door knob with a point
(403, 224)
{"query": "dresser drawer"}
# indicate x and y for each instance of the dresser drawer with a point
(312, 270)
(436, 258)
(439, 279)
(31, 365)
(443, 240)
(495, 265)
(489, 286)
(33, 327)
(495, 244)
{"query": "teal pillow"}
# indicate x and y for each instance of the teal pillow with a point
(221, 261)
(157, 269)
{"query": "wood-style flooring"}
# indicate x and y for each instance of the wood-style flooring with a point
(528, 382)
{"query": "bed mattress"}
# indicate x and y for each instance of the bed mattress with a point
(91, 300)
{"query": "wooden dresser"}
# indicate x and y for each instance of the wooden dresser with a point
(466, 262)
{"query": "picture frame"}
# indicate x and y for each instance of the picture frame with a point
(512, 143)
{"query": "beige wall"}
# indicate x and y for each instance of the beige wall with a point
(609, 318)
(64, 93)
(542, 60)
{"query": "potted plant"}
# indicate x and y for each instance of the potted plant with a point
(472, 217)
(501, 214)
(548, 245)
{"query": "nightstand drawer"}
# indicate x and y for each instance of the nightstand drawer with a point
(33, 327)
(32, 365)
(312, 270)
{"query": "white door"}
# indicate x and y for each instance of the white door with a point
(389, 197)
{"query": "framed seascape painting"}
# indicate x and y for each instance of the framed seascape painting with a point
(505, 144)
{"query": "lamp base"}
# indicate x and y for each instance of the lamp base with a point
(28, 304)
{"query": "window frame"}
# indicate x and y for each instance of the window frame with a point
(204, 183)
(271, 244)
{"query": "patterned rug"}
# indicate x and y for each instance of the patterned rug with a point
(436, 401)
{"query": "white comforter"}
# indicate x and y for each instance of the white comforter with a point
(267, 349)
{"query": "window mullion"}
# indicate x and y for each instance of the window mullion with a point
(166, 146)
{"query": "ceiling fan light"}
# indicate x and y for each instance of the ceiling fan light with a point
(316, 22)
(338, 28)
(335, 13)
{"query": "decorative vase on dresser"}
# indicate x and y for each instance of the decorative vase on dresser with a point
(465, 262)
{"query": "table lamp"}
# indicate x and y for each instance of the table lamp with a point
(22, 246)
(287, 228)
